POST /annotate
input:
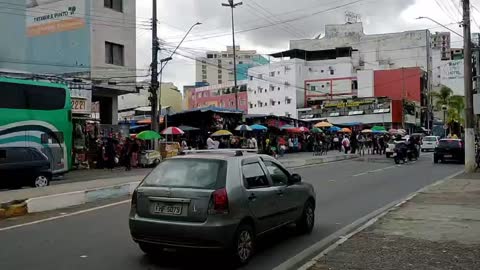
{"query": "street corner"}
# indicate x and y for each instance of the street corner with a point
(13, 209)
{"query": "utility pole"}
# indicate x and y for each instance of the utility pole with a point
(403, 100)
(469, 124)
(154, 82)
(231, 5)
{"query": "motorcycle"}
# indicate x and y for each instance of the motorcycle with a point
(403, 152)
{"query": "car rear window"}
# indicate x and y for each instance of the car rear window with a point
(449, 143)
(188, 173)
(430, 139)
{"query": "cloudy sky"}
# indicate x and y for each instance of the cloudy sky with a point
(257, 23)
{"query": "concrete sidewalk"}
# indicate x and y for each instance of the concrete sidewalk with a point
(437, 229)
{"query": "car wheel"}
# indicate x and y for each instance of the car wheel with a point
(307, 220)
(244, 244)
(41, 180)
(435, 160)
(389, 155)
(149, 249)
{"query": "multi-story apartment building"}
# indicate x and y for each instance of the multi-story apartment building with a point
(74, 39)
(217, 66)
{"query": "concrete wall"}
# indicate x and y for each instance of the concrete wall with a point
(117, 29)
(171, 96)
(398, 84)
(365, 83)
(380, 51)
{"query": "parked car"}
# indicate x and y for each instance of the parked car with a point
(24, 166)
(429, 143)
(218, 200)
(449, 150)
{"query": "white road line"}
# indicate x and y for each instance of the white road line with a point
(360, 174)
(63, 216)
(377, 170)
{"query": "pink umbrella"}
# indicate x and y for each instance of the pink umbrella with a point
(172, 131)
(303, 129)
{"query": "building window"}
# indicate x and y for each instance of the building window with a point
(114, 54)
(204, 62)
(219, 76)
(272, 74)
(278, 103)
(204, 66)
(266, 104)
(219, 81)
(272, 88)
(251, 105)
(278, 88)
(251, 78)
(219, 71)
(240, 62)
(242, 102)
(209, 55)
(219, 61)
(332, 71)
(114, 4)
(288, 101)
(204, 76)
(224, 55)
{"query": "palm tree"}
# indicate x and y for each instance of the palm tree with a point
(454, 103)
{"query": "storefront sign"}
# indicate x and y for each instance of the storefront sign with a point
(79, 105)
(348, 104)
(53, 16)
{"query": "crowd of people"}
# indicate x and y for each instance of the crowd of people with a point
(113, 152)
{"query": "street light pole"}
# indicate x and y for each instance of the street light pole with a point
(164, 62)
(444, 109)
(232, 5)
(442, 25)
(469, 123)
(154, 80)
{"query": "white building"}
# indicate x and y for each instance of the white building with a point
(217, 66)
(340, 64)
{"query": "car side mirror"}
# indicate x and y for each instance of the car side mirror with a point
(295, 178)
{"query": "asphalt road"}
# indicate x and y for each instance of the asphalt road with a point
(100, 239)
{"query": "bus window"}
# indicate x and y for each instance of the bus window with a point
(32, 97)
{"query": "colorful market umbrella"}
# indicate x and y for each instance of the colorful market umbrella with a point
(378, 128)
(367, 131)
(243, 128)
(316, 130)
(334, 129)
(294, 130)
(304, 129)
(172, 131)
(258, 127)
(287, 127)
(222, 132)
(346, 130)
(148, 135)
(323, 125)
(188, 128)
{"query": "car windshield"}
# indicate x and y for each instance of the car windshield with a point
(449, 143)
(430, 139)
(187, 173)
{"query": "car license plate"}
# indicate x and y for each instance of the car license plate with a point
(167, 209)
(447, 156)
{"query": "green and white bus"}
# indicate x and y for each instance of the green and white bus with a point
(37, 114)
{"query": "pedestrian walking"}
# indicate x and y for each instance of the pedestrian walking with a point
(346, 144)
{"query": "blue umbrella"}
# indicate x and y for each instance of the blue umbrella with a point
(258, 127)
(334, 129)
(243, 128)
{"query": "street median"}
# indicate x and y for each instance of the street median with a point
(64, 195)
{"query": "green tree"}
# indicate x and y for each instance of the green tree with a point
(454, 103)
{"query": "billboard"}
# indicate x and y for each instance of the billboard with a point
(44, 17)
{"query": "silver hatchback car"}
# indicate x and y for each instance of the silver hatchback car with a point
(218, 200)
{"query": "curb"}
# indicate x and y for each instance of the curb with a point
(64, 200)
(307, 258)
(290, 164)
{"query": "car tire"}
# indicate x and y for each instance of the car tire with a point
(243, 244)
(41, 180)
(149, 249)
(389, 155)
(307, 221)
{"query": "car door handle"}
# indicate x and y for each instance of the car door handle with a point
(252, 197)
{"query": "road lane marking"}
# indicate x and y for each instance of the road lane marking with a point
(360, 174)
(374, 171)
(63, 216)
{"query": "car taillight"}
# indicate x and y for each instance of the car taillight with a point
(460, 144)
(219, 202)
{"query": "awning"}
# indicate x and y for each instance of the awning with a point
(138, 126)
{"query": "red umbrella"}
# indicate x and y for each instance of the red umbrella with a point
(294, 130)
(172, 131)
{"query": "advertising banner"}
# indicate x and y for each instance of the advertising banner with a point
(46, 17)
